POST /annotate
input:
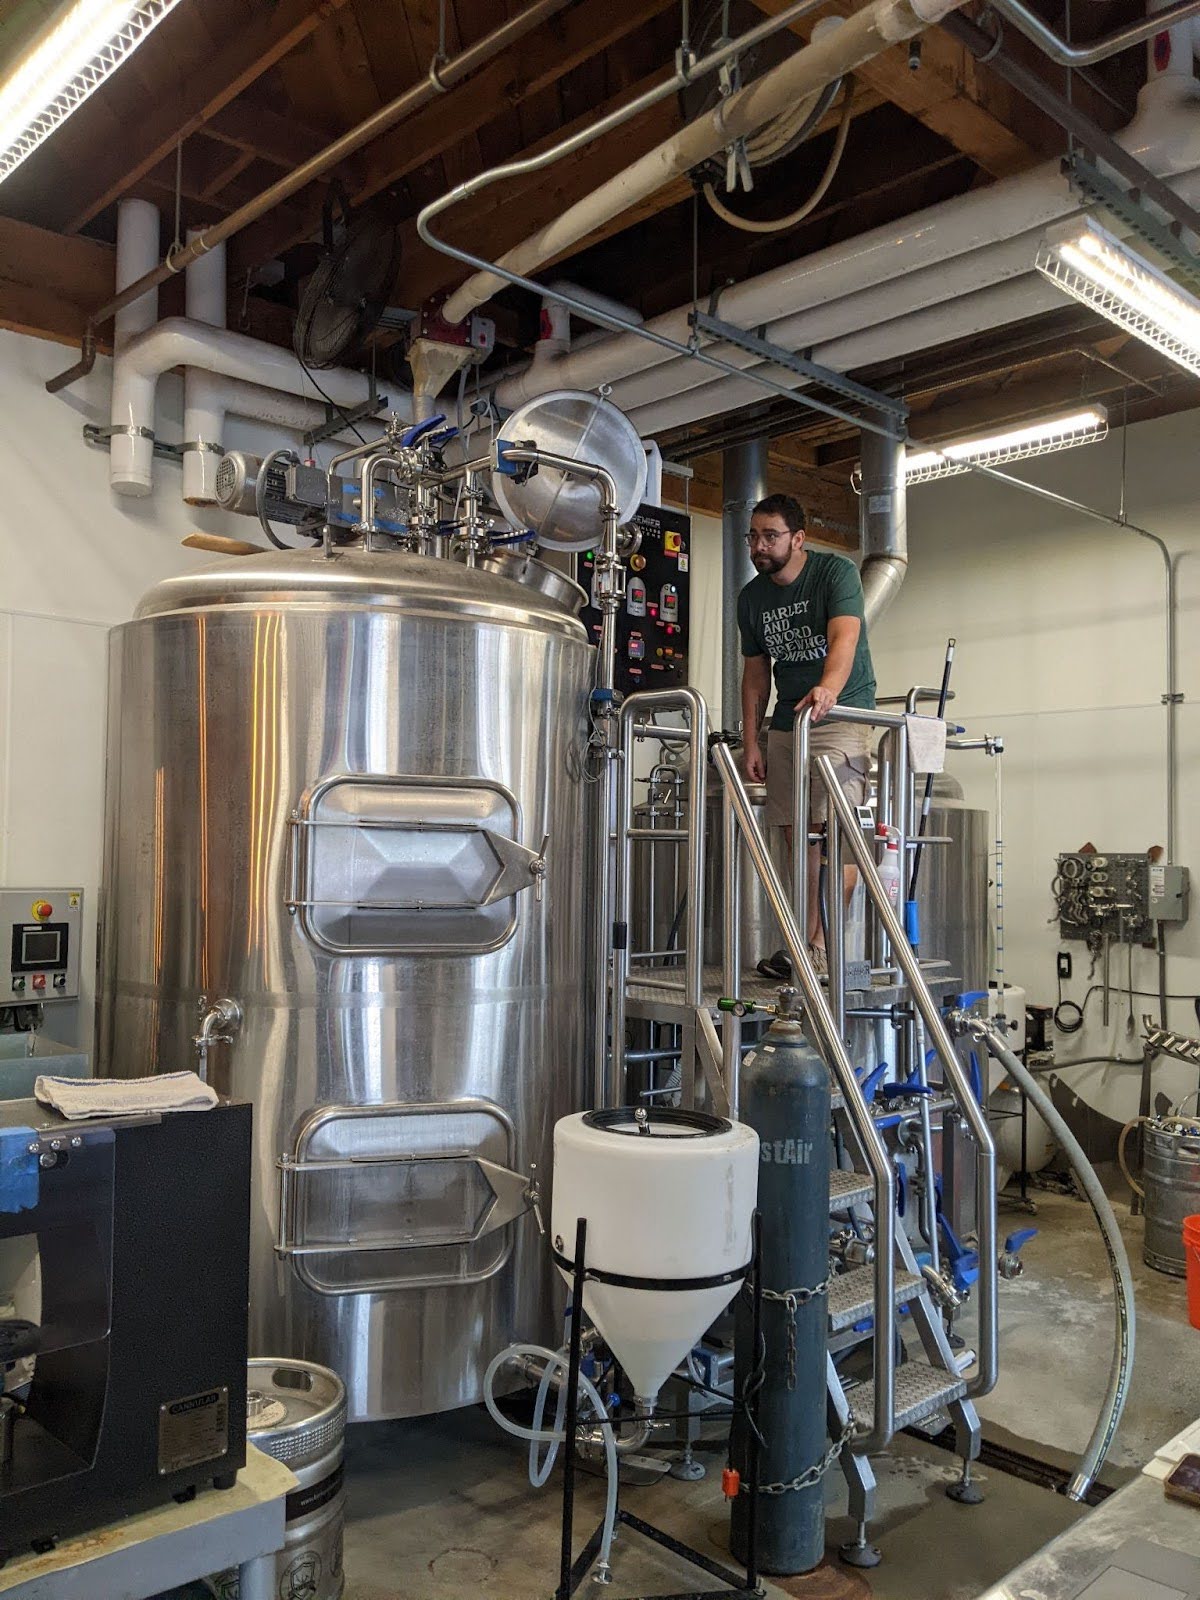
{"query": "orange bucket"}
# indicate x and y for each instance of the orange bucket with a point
(1191, 1249)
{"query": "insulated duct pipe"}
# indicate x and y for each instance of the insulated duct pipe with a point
(441, 77)
(203, 411)
(883, 522)
(744, 476)
(1118, 1261)
(131, 445)
(859, 37)
(963, 245)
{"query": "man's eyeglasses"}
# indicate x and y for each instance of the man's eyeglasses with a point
(766, 538)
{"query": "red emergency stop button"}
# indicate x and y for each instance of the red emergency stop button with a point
(39, 981)
(42, 909)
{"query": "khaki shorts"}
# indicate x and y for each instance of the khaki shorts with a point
(849, 743)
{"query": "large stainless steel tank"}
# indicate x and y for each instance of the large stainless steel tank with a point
(952, 890)
(329, 787)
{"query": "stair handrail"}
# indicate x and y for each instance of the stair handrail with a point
(968, 1107)
(832, 1047)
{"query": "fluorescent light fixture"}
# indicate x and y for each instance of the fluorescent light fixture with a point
(1099, 271)
(62, 68)
(1015, 444)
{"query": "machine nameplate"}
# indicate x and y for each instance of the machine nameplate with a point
(193, 1430)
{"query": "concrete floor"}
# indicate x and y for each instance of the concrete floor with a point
(441, 1508)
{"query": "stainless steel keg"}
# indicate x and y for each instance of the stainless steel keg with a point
(296, 1412)
(1171, 1177)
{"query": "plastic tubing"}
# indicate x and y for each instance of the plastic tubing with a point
(556, 1362)
(1122, 1363)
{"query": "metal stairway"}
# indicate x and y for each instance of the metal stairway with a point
(866, 1301)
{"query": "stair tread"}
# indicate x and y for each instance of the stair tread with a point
(920, 1391)
(852, 1295)
(847, 1188)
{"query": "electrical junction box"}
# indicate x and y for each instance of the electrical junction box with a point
(41, 930)
(1167, 899)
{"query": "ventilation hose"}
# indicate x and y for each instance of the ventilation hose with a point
(1122, 1363)
(557, 1362)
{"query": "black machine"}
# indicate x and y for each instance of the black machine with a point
(654, 621)
(124, 1254)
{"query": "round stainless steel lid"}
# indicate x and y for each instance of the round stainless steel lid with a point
(562, 510)
(390, 580)
(521, 567)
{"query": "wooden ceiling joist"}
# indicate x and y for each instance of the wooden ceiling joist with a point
(512, 78)
(266, 40)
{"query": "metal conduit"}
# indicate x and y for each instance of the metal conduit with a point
(1110, 44)
(832, 1047)
(939, 1037)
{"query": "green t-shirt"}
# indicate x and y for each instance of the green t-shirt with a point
(789, 622)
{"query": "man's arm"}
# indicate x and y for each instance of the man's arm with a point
(842, 641)
(756, 692)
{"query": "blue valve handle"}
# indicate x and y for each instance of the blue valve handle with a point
(972, 998)
(1022, 1236)
(901, 1188)
(893, 1091)
(976, 1078)
(871, 1082)
(420, 429)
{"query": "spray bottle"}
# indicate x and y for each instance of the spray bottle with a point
(889, 865)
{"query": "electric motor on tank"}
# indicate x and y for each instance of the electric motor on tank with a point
(668, 1200)
(296, 1412)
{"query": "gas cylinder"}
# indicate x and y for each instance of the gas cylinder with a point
(785, 1099)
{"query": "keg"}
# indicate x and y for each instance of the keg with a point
(296, 1412)
(1171, 1177)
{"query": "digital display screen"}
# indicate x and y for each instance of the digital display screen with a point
(40, 947)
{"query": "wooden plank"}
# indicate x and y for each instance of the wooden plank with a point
(265, 41)
(829, 502)
(283, 141)
(49, 283)
(538, 62)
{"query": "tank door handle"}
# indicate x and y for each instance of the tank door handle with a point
(520, 868)
(515, 1194)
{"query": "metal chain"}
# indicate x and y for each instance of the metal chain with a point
(793, 1299)
(806, 1480)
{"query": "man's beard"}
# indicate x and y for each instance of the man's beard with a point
(764, 562)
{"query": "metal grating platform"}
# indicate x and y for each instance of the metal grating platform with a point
(852, 1295)
(849, 1188)
(920, 1391)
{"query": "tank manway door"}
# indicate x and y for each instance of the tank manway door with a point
(375, 1198)
(383, 865)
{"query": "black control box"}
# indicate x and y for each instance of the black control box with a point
(653, 624)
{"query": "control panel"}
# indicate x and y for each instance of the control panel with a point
(654, 619)
(1117, 895)
(41, 930)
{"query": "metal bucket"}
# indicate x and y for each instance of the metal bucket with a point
(296, 1412)
(1171, 1178)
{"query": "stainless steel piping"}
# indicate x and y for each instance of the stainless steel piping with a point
(653, 702)
(835, 901)
(955, 1078)
(441, 77)
(1066, 54)
(832, 1047)
(731, 1025)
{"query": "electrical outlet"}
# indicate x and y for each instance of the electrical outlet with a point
(1064, 963)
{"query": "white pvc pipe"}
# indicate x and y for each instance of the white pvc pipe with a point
(137, 254)
(178, 342)
(203, 410)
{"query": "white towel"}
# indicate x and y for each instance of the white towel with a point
(76, 1098)
(926, 744)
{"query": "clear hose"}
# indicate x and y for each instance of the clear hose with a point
(557, 1362)
(1122, 1363)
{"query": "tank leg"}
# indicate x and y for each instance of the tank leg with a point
(687, 1467)
(964, 1491)
(859, 1552)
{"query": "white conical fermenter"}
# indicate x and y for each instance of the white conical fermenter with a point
(669, 1199)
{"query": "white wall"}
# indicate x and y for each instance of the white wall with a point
(1061, 648)
(74, 559)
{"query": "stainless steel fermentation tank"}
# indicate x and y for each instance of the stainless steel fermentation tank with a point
(347, 793)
